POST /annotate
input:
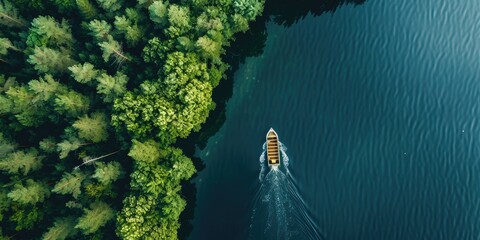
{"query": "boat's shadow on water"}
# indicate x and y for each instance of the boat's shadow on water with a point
(248, 44)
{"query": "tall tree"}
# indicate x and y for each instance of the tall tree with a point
(106, 173)
(30, 193)
(112, 86)
(70, 184)
(94, 128)
(87, 9)
(47, 32)
(95, 217)
(47, 60)
(21, 162)
(62, 229)
(83, 73)
(9, 15)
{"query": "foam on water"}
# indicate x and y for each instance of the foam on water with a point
(279, 212)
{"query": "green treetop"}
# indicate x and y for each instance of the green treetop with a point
(47, 60)
(21, 162)
(87, 9)
(158, 12)
(92, 129)
(47, 32)
(95, 217)
(112, 86)
(30, 193)
(83, 73)
(9, 15)
(106, 173)
(70, 184)
(62, 229)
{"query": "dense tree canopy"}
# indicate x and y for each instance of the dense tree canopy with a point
(71, 69)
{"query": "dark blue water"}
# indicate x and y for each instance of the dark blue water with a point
(379, 107)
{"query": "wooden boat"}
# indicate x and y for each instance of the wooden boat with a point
(273, 149)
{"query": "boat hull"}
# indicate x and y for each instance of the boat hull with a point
(273, 148)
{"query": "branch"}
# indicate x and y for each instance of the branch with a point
(95, 159)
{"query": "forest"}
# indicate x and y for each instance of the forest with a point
(94, 94)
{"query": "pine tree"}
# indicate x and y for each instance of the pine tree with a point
(112, 49)
(21, 162)
(72, 104)
(47, 60)
(112, 86)
(70, 184)
(33, 192)
(110, 5)
(65, 6)
(62, 229)
(129, 27)
(6, 146)
(66, 146)
(93, 128)
(106, 173)
(48, 145)
(45, 88)
(83, 73)
(47, 32)
(99, 29)
(95, 217)
(9, 15)
(5, 45)
(87, 9)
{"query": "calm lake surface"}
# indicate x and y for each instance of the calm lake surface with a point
(379, 106)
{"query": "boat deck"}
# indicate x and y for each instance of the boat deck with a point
(273, 153)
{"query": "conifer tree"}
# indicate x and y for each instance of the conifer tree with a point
(6, 146)
(46, 31)
(71, 103)
(83, 73)
(99, 29)
(209, 49)
(70, 184)
(21, 162)
(106, 173)
(48, 145)
(45, 88)
(94, 128)
(128, 25)
(87, 9)
(26, 111)
(112, 86)
(30, 193)
(9, 15)
(66, 146)
(95, 217)
(62, 229)
(47, 60)
(112, 49)
(110, 5)
(5, 45)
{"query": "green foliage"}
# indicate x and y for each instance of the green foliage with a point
(47, 32)
(62, 229)
(65, 6)
(100, 30)
(112, 86)
(155, 210)
(158, 12)
(113, 50)
(83, 73)
(110, 5)
(95, 217)
(249, 9)
(21, 162)
(50, 104)
(48, 145)
(25, 217)
(9, 15)
(93, 129)
(128, 25)
(179, 20)
(70, 184)
(47, 60)
(107, 173)
(68, 145)
(71, 103)
(148, 151)
(31, 193)
(87, 9)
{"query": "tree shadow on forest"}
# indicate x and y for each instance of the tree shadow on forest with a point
(248, 44)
